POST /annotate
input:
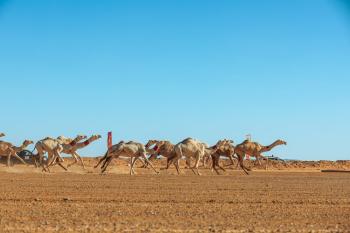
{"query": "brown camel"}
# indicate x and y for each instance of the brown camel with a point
(227, 149)
(53, 147)
(254, 149)
(7, 149)
(72, 147)
(130, 149)
(163, 148)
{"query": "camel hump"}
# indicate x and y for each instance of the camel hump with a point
(187, 140)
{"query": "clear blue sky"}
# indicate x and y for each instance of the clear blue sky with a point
(174, 69)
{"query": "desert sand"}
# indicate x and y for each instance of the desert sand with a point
(293, 198)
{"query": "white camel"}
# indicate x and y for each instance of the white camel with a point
(190, 148)
(72, 147)
(130, 149)
(53, 147)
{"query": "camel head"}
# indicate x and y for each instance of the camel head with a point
(95, 137)
(80, 137)
(223, 145)
(224, 142)
(159, 146)
(27, 143)
(2, 135)
(220, 144)
(281, 142)
(227, 141)
(151, 143)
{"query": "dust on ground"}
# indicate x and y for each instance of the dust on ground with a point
(85, 201)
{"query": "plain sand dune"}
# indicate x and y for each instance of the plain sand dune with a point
(261, 202)
(120, 166)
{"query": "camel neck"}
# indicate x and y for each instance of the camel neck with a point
(84, 143)
(269, 147)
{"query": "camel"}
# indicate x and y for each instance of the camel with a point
(2, 135)
(226, 149)
(52, 147)
(163, 148)
(190, 148)
(7, 149)
(254, 149)
(72, 147)
(153, 152)
(130, 149)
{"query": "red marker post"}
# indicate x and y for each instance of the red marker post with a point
(109, 140)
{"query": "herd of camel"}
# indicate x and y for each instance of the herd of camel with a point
(189, 149)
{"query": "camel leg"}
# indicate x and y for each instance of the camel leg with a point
(177, 166)
(149, 163)
(207, 161)
(212, 164)
(215, 163)
(132, 162)
(168, 162)
(196, 166)
(107, 162)
(188, 162)
(9, 160)
(151, 158)
(61, 165)
(19, 158)
(237, 164)
(221, 167)
(144, 163)
(132, 168)
(35, 161)
(81, 160)
(258, 159)
(267, 160)
(59, 160)
(74, 161)
(50, 159)
(231, 159)
(203, 162)
(101, 160)
(240, 160)
(41, 160)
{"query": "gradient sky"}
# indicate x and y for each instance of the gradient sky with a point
(174, 69)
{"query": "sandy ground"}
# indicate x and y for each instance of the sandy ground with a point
(85, 201)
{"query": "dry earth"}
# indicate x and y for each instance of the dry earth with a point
(85, 201)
